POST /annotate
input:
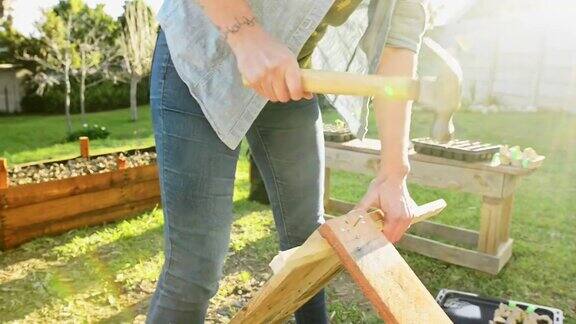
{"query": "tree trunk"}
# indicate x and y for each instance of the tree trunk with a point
(82, 96)
(134, 96)
(67, 65)
(67, 97)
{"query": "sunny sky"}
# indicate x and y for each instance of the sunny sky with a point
(26, 12)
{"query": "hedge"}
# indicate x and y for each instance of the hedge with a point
(104, 96)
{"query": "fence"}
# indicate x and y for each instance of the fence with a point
(522, 62)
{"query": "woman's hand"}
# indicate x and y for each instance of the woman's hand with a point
(268, 65)
(270, 68)
(392, 197)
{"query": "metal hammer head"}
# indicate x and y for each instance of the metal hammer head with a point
(442, 92)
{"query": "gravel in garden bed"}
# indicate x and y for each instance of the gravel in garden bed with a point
(43, 172)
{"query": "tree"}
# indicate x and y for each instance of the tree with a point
(94, 34)
(57, 53)
(136, 43)
(13, 44)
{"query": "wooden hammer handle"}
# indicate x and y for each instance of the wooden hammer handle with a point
(344, 83)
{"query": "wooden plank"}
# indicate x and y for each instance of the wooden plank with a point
(447, 232)
(506, 219)
(504, 254)
(121, 162)
(451, 233)
(306, 271)
(455, 178)
(326, 188)
(14, 238)
(301, 272)
(17, 196)
(4, 174)
(421, 214)
(455, 255)
(482, 182)
(510, 185)
(69, 206)
(443, 251)
(356, 162)
(84, 147)
(490, 219)
(339, 207)
(101, 152)
(372, 146)
(384, 277)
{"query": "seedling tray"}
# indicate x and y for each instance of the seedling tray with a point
(463, 150)
(468, 308)
(337, 133)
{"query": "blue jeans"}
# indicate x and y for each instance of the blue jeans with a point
(197, 179)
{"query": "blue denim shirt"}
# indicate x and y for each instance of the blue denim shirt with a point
(206, 64)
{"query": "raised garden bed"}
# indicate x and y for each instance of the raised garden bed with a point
(52, 197)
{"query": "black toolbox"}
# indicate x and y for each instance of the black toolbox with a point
(468, 308)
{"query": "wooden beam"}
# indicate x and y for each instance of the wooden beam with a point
(301, 272)
(421, 213)
(456, 255)
(338, 207)
(490, 218)
(11, 239)
(84, 147)
(41, 192)
(384, 277)
(61, 208)
(307, 270)
(121, 162)
(4, 180)
(326, 188)
(459, 235)
(372, 146)
(446, 232)
(506, 220)
(478, 181)
(100, 152)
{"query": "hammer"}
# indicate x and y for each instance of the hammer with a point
(440, 92)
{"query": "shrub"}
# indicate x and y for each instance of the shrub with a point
(104, 96)
(94, 132)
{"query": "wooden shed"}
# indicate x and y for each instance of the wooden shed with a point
(10, 92)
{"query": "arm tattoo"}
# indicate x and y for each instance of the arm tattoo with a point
(240, 22)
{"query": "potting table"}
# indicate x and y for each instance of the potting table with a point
(489, 248)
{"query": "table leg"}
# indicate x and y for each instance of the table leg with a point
(326, 189)
(494, 223)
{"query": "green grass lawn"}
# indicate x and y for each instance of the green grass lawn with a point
(108, 273)
(31, 138)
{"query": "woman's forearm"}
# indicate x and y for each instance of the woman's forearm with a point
(234, 19)
(393, 118)
(269, 67)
